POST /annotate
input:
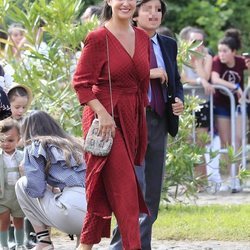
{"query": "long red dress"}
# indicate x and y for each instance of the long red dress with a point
(111, 184)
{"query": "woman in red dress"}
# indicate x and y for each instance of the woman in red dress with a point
(111, 183)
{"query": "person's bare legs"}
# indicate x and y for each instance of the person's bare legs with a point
(84, 247)
(4, 226)
(201, 169)
(77, 240)
(238, 133)
(224, 130)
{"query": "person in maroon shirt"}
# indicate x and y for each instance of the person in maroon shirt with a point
(111, 183)
(228, 70)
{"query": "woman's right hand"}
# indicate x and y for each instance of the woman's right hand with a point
(239, 94)
(106, 124)
(208, 88)
(159, 73)
(106, 121)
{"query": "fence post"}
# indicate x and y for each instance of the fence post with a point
(244, 127)
(232, 120)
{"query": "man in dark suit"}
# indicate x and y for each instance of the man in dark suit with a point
(164, 86)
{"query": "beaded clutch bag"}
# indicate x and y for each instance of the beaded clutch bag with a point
(94, 143)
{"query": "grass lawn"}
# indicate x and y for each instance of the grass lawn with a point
(214, 222)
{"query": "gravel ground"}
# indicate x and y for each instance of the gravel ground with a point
(62, 243)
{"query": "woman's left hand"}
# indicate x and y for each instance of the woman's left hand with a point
(239, 94)
(54, 190)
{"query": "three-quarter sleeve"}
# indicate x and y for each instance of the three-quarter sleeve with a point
(34, 171)
(89, 67)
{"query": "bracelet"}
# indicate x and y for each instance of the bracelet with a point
(237, 86)
(198, 81)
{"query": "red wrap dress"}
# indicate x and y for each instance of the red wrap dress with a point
(111, 184)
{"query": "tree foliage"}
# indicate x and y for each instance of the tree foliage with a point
(214, 16)
(48, 73)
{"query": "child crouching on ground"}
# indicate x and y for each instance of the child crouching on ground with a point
(52, 192)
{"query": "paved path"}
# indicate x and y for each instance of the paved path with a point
(64, 243)
(220, 198)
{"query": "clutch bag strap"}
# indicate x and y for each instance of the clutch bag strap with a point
(110, 87)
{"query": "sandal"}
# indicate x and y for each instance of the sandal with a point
(40, 239)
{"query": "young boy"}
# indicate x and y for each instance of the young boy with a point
(164, 84)
(20, 97)
(10, 159)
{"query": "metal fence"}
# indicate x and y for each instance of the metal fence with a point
(243, 106)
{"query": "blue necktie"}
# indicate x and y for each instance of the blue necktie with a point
(157, 100)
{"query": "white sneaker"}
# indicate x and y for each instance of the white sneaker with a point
(235, 185)
(12, 245)
(224, 188)
(20, 248)
(213, 187)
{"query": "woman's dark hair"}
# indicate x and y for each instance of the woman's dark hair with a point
(232, 39)
(39, 123)
(139, 3)
(42, 127)
(106, 12)
(17, 91)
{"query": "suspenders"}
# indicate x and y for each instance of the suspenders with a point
(4, 170)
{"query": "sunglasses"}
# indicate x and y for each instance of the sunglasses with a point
(197, 41)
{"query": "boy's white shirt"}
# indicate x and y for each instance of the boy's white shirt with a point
(11, 162)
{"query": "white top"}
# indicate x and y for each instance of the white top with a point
(10, 162)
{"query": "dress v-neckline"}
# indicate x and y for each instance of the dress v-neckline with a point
(121, 45)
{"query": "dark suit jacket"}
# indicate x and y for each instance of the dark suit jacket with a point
(1, 71)
(4, 101)
(169, 53)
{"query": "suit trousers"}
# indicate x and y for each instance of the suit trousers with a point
(64, 211)
(150, 177)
